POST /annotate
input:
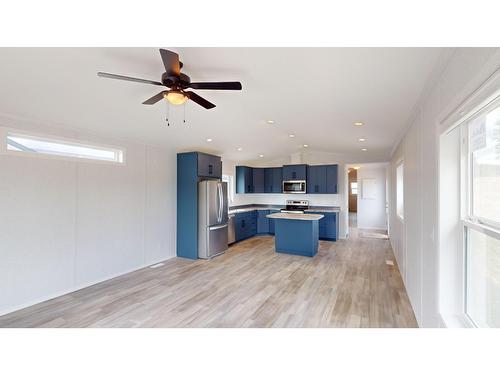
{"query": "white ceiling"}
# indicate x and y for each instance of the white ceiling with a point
(315, 93)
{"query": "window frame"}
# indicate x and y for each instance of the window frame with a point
(354, 188)
(6, 132)
(468, 220)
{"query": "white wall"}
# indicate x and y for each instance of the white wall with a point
(372, 212)
(415, 242)
(68, 224)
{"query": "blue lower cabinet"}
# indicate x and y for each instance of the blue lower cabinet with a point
(262, 222)
(239, 227)
(297, 237)
(271, 221)
(328, 226)
(245, 225)
(252, 227)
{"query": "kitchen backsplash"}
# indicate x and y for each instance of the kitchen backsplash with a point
(314, 199)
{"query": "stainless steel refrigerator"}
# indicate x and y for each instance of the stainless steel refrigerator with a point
(212, 218)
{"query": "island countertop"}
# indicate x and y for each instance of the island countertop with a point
(289, 216)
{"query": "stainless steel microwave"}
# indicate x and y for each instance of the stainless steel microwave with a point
(294, 187)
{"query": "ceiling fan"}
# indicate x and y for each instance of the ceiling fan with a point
(177, 83)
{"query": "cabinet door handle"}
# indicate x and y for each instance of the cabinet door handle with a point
(210, 169)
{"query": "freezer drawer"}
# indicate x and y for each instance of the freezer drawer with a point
(213, 242)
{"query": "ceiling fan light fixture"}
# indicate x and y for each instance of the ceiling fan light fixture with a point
(175, 97)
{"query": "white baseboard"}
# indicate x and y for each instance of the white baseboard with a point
(372, 228)
(79, 287)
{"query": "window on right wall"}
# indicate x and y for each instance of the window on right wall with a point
(481, 221)
(400, 190)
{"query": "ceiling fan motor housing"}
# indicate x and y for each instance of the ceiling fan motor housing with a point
(182, 80)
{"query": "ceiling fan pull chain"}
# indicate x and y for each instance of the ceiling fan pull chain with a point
(167, 112)
(184, 113)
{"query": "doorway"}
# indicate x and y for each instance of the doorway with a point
(353, 196)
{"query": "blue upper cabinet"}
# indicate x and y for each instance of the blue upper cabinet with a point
(268, 180)
(244, 180)
(332, 175)
(322, 179)
(209, 165)
(316, 179)
(277, 186)
(294, 172)
(258, 180)
(273, 180)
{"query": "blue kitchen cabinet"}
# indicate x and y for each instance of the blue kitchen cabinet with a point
(273, 180)
(268, 180)
(277, 185)
(331, 226)
(295, 172)
(271, 221)
(332, 175)
(239, 227)
(322, 179)
(209, 165)
(328, 225)
(252, 219)
(316, 179)
(245, 225)
(258, 180)
(262, 222)
(244, 180)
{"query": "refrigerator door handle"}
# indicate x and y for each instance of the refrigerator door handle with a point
(219, 188)
(215, 227)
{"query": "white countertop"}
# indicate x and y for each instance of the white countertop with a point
(259, 208)
(289, 216)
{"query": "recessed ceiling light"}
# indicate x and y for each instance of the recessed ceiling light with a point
(306, 146)
(240, 149)
(291, 135)
(209, 139)
(358, 123)
(364, 149)
(362, 139)
(261, 156)
(270, 122)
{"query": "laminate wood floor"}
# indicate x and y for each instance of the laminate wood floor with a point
(347, 284)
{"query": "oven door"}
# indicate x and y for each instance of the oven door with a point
(294, 187)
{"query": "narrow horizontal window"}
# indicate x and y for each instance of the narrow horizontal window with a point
(47, 146)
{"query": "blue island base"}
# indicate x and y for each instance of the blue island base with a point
(297, 237)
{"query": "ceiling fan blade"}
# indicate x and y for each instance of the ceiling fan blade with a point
(171, 62)
(199, 100)
(155, 99)
(125, 78)
(215, 85)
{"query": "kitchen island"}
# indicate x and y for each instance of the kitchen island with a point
(296, 234)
